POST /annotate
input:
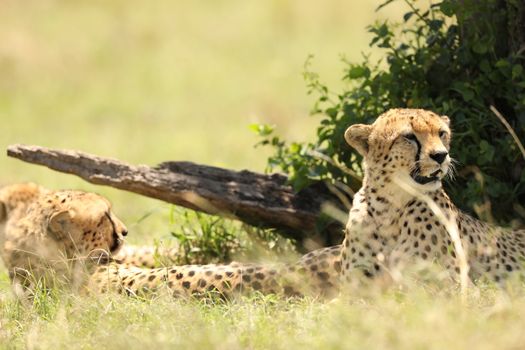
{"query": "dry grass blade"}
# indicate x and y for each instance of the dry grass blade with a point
(509, 128)
(334, 212)
(451, 227)
(341, 193)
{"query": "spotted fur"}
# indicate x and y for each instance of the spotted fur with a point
(134, 269)
(406, 158)
(15, 199)
(315, 274)
(56, 238)
(388, 225)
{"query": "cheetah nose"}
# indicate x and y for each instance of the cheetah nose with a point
(439, 156)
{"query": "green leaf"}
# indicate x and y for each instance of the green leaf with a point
(486, 152)
(295, 147)
(485, 66)
(465, 91)
(517, 71)
(448, 8)
(480, 47)
(384, 4)
(435, 24)
(357, 72)
(502, 63)
(382, 30)
(262, 129)
(332, 112)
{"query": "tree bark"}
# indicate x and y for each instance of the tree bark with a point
(257, 199)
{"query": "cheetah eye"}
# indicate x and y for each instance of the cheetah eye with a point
(442, 134)
(410, 137)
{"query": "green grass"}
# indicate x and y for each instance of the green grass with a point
(419, 319)
(152, 81)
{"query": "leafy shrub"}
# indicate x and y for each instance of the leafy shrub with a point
(204, 239)
(456, 58)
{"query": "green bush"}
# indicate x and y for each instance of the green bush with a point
(456, 58)
(205, 239)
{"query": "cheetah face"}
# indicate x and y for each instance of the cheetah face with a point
(422, 145)
(410, 143)
(85, 224)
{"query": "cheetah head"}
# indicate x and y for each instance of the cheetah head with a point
(83, 223)
(411, 143)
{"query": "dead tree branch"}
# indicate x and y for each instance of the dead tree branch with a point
(257, 199)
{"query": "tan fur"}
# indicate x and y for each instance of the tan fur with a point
(387, 225)
(14, 201)
(316, 274)
(135, 269)
(147, 256)
(58, 236)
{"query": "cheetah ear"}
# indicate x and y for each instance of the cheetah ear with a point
(446, 119)
(357, 137)
(3, 211)
(58, 223)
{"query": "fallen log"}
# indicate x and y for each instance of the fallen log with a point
(257, 199)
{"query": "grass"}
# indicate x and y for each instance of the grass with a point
(419, 319)
(152, 81)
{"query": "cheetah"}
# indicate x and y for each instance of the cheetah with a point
(15, 199)
(401, 213)
(316, 274)
(56, 238)
(32, 245)
(401, 210)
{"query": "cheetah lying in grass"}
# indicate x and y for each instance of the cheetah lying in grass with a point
(315, 274)
(401, 214)
(67, 236)
(56, 238)
(15, 199)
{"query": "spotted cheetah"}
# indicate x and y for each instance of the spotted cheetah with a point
(400, 214)
(401, 210)
(32, 245)
(315, 274)
(15, 199)
(58, 237)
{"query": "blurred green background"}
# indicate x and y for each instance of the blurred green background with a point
(147, 82)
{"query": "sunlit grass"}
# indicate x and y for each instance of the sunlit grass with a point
(153, 81)
(418, 319)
